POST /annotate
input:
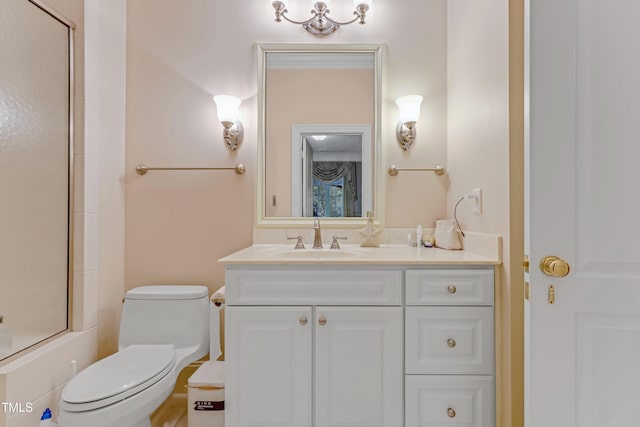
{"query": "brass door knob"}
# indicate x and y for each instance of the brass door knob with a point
(322, 321)
(451, 342)
(554, 266)
(451, 412)
(452, 289)
(303, 320)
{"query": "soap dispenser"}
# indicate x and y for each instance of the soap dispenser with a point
(370, 233)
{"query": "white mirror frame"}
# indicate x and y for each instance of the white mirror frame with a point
(261, 221)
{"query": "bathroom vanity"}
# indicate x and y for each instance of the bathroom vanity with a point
(370, 337)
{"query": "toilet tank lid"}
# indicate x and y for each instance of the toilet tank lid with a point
(168, 292)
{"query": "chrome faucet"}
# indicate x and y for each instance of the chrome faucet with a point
(317, 238)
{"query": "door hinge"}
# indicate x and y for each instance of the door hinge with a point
(525, 263)
(527, 291)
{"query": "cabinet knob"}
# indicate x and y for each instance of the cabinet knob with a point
(452, 289)
(303, 320)
(451, 412)
(451, 342)
(322, 321)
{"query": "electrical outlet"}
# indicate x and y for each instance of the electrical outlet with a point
(477, 200)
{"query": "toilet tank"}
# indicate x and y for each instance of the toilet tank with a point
(169, 314)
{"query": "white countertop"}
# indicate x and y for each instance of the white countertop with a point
(354, 254)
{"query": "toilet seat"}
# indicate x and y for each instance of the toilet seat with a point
(118, 377)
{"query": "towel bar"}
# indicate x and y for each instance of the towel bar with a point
(142, 169)
(394, 170)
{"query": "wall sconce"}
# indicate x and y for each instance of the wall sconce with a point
(320, 24)
(228, 116)
(409, 114)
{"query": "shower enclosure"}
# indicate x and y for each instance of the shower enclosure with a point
(36, 110)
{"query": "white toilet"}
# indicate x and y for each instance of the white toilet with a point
(163, 329)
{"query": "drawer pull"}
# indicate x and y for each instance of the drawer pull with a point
(451, 412)
(451, 343)
(303, 320)
(322, 321)
(452, 289)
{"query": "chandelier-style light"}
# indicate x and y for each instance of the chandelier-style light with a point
(320, 24)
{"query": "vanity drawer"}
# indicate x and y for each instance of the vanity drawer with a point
(449, 340)
(449, 287)
(313, 286)
(452, 401)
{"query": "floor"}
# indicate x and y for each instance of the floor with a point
(172, 413)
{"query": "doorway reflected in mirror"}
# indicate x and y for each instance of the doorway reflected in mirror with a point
(330, 172)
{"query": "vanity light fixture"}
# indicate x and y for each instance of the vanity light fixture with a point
(228, 115)
(409, 106)
(320, 24)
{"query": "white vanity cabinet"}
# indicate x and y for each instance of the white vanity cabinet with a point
(331, 356)
(449, 348)
(328, 345)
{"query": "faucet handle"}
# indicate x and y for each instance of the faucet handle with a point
(299, 243)
(334, 244)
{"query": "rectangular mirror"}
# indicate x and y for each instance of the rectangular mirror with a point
(319, 118)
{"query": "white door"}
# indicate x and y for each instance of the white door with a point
(358, 370)
(583, 351)
(268, 366)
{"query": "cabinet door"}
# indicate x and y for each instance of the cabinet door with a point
(358, 373)
(268, 366)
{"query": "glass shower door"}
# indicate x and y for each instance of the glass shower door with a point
(35, 164)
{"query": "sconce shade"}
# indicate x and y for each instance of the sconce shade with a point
(327, 2)
(227, 107)
(357, 3)
(409, 108)
(233, 132)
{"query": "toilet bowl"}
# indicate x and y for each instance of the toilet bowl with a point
(163, 329)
